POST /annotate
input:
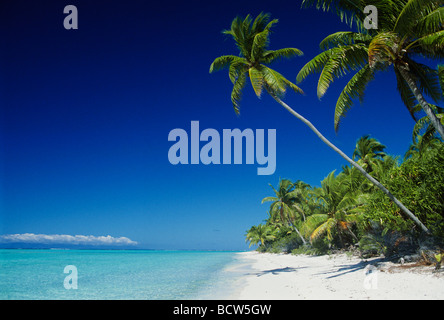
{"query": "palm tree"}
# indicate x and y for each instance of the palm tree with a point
(424, 124)
(406, 29)
(283, 204)
(302, 199)
(342, 204)
(259, 234)
(422, 143)
(252, 39)
(368, 152)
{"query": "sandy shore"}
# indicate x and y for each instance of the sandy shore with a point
(280, 276)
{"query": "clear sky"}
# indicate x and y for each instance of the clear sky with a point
(86, 115)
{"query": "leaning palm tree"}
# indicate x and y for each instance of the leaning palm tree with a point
(283, 204)
(407, 29)
(252, 39)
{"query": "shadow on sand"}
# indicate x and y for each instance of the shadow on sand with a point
(275, 271)
(349, 268)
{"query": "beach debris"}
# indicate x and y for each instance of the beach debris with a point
(439, 258)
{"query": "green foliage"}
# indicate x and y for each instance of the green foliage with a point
(286, 243)
(260, 235)
(371, 244)
(320, 247)
(341, 203)
(252, 40)
(419, 183)
(406, 30)
(346, 210)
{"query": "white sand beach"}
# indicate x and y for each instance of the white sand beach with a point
(283, 276)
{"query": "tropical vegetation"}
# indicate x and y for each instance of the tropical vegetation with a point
(377, 202)
(345, 210)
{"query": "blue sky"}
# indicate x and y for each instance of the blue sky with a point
(86, 115)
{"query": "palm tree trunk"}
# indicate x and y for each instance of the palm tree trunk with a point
(299, 234)
(357, 166)
(291, 224)
(420, 98)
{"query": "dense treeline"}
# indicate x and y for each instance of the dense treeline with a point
(346, 210)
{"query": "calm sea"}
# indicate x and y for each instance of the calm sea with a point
(116, 274)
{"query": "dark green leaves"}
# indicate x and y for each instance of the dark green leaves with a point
(252, 39)
(406, 28)
(334, 63)
(285, 53)
(354, 89)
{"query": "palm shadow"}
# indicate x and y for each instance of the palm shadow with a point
(275, 271)
(349, 268)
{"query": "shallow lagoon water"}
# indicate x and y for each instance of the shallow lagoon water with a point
(116, 274)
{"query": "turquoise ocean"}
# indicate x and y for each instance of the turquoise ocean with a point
(117, 274)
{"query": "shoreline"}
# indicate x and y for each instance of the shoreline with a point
(266, 276)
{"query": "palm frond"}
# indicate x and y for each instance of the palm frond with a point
(343, 39)
(407, 96)
(267, 199)
(342, 60)
(430, 45)
(261, 22)
(431, 23)
(236, 93)
(274, 81)
(350, 11)
(237, 31)
(353, 90)
(326, 227)
(237, 66)
(412, 11)
(288, 212)
(292, 86)
(241, 32)
(347, 201)
(424, 122)
(257, 80)
(427, 79)
(440, 70)
(260, 43)
(312, 222)
(315, 65)
(223, 62)
(274, 55)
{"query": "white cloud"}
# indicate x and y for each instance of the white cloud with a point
(65, 239)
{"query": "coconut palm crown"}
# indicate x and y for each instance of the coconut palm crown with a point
(406, 29)
(252, 40)
(284, 203)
